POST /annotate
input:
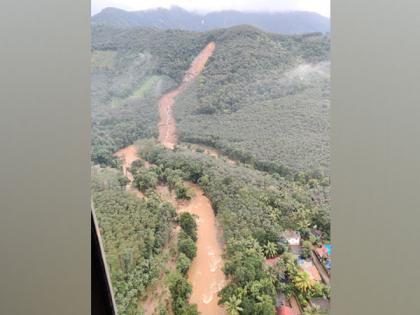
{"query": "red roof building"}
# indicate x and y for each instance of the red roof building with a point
(322, 251)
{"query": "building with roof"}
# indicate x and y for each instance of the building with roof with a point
(292, 237)
(321, 251)
(323, 254)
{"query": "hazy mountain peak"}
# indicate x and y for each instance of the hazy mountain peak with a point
(178, 18)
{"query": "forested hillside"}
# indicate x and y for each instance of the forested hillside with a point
(262, 105)
(253, 208)
(262, 98)
(134, 232)
(178, 18)
(131, 69)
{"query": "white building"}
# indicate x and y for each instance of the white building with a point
(292, 237)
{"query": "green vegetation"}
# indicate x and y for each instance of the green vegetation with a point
(262, 99)
(131, 69)
(180, 291)
(291, 279)
(178, 284)
(252, 207)
(134, 232)
(188, 225)
(186, 245)
(145, 179)
(306, 249)
(314, 310)
(107, 179)
(183, 263)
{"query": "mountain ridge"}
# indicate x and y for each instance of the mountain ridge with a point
(287, 22)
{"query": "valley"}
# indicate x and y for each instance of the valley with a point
(205, 273)
(192, 188)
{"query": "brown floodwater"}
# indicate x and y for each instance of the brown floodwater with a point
(205, 274)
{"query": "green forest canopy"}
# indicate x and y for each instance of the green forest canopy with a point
(262, 97)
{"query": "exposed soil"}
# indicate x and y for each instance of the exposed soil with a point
(295, 306)
(205, 274)
(167, 125)
(128, 155)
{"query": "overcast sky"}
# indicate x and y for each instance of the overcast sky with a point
(320, 6)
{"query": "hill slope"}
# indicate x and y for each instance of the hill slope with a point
(262, 98)
(131, 69)
(177, 18)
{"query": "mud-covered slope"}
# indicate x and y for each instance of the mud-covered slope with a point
(263, 98)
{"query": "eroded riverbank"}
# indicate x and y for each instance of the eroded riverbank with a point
(167, 124)
(205, 274)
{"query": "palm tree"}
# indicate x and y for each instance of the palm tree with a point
(303, 282)
(270, 249)
(233, 306)
(264, 305)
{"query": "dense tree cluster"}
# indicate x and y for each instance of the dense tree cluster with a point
(180, 290)
(262, 98)
(263, 101)
(178, 284)
(253, 207)
(293, 280)
(134, 232)
(131, 69)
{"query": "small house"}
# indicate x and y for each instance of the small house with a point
(324, 256)
(292, 237)
(324, 251)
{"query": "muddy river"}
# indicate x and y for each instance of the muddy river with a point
(205, 274)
